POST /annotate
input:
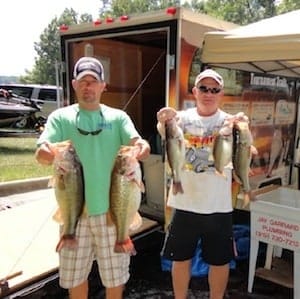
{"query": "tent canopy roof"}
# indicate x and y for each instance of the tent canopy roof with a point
(269, 46)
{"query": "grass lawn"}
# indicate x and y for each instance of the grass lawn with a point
(17, 159)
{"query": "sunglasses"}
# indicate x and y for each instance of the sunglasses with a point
(86, 133)
(205, 89)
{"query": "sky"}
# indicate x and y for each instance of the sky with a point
(22, 22)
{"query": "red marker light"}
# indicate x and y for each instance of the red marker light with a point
(124, 18)
(63, 27)
(109, 20)
(97, 22)
(171, 10)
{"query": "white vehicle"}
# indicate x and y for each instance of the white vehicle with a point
(50, 95)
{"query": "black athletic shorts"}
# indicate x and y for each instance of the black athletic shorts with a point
(214, 230)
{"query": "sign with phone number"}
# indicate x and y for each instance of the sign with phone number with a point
(276, 231)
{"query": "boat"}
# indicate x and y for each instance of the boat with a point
(19, 112)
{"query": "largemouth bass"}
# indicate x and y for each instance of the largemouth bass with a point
(222, 149)
(69, 190)
(125, 197)
(175, 148)
(242, 157)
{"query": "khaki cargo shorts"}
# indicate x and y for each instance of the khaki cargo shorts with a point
(96, 240)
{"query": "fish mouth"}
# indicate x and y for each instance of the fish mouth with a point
(129, 174)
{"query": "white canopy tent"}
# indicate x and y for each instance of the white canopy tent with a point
(269, 46)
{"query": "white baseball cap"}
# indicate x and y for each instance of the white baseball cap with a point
(209, 73)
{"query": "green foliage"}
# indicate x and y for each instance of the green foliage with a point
(240, 12)
(47, 49)
(288, 5)
(122, 7)
(195, 5)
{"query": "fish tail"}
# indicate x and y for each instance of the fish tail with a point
(236, 177)
(67, 241)
(125, 246)
(177, 188)
(136, 222)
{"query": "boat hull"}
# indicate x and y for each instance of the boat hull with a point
(12, 113)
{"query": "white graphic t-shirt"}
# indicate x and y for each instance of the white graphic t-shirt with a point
(205, 191)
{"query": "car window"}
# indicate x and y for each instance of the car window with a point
(47, 94)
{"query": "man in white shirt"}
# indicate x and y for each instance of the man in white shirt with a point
(204, 209)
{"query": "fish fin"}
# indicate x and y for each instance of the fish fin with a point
(254, 150)
(246, 199)
(109, 219)
(251, 172)
(51, 182)
(221, 174)
(60, 182)
(141, 185)
(125, 247)
(67, 241)
(181, 143)
(168, 169)
(137, 222)
(236, 178)
(177, 188)
(57, 216)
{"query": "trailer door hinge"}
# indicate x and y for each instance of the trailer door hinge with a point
(171, 62)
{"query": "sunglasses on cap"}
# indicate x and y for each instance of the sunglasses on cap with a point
(205, 89)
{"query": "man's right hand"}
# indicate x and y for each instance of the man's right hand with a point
(165, 114)
(44, 155)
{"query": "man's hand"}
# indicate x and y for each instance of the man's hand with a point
(143, 148)
(163, 115)
(44, 155)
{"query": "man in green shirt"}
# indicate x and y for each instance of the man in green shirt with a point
(97, 131)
